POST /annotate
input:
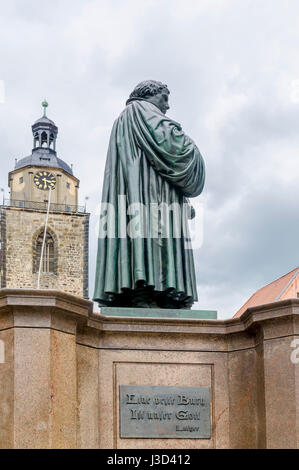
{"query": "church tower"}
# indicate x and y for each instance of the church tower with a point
(44, 243)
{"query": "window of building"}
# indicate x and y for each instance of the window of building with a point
(68, 185)
(21, 180)
(48, 262)
(36, 140)
(51, 140)
(44, 139)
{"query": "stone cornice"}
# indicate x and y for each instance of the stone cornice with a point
(55, 303)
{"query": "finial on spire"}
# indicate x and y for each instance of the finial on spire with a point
(45, 105)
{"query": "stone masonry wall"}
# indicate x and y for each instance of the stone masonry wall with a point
(70, 233)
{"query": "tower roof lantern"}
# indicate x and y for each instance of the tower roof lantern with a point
(44, 153)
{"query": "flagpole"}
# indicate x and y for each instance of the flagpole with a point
(44, 241)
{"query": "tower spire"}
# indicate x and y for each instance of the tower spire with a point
(45, 105)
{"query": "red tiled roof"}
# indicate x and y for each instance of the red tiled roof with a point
(267, 294)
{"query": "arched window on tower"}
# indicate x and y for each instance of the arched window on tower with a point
(44, 139)
(48, 262)
(51, 141)
(36, 140)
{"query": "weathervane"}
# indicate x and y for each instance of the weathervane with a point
(45, 105)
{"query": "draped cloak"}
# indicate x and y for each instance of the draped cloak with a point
(150, 161)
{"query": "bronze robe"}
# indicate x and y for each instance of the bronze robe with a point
(150, 161)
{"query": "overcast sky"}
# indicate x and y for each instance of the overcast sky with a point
(233, 71)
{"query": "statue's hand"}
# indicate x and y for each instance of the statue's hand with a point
(191, 212)
(190, 209)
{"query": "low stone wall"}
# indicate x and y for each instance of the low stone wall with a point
(63, 364)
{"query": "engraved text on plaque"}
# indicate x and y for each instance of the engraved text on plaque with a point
(165, 412)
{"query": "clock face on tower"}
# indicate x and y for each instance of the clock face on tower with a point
(44, 180)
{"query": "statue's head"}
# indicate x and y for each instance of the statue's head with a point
(153, 91)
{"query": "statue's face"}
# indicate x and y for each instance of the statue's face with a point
(161, 101)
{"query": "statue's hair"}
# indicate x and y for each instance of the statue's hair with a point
(148, 88)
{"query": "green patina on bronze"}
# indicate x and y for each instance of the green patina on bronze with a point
(150, 160)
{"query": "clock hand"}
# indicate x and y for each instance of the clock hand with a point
(45, 182)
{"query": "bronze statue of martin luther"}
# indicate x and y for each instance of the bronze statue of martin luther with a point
(152, 167)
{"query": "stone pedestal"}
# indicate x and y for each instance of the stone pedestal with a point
(63, 365)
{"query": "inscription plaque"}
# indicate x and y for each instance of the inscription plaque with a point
(164, 412)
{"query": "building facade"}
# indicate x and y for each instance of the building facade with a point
(64, 243)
